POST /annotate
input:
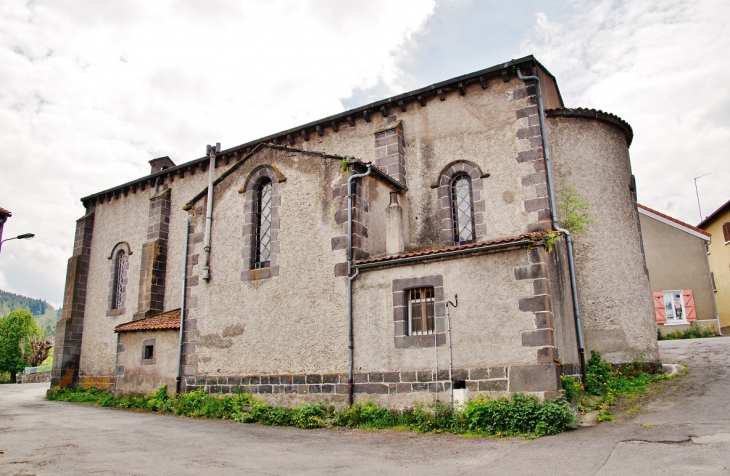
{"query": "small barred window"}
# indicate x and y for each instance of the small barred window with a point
(420, 311)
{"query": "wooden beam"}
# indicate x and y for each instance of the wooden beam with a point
(483, 80)
(191, 170)
(462, 89)
(366, 115)
(305, 134)
(505, 75)
(203, 166)
(170, 177)
(402, 105)
(290, 138)
(440, 92)
(421, 100)
(384, 110)
(351, 121)
(335, 126)
(180, 173)
(320, 130)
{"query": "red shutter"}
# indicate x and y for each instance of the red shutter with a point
(661, 313)
(689, 305)
(726, 231)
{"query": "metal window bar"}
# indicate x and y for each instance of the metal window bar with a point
(119, 273)
(421, 311)
(263, 225)
(462, 210)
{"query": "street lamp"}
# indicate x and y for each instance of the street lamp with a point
(24, 236)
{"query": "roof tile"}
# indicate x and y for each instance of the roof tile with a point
(163, 320)
(435, 251)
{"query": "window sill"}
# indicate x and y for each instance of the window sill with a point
(261, 273)
(676, 323)
(116, 312)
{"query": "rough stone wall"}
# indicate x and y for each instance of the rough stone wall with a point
(615, 298)
(134, 374)
(126, 218)
(490, 127)
(291, 323)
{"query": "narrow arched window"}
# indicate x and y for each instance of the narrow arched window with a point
(263, 224)
(120, 264)
(462, 210)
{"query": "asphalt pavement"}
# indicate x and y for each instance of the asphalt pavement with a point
(682, 429)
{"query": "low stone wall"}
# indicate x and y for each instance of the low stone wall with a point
(333, 387)
(36, 378)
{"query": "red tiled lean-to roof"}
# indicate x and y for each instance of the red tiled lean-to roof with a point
(437, 251)
(164, 320)
(694, 228)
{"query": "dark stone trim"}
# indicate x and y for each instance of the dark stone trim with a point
(390, 151)
(153, 269)
(70, 328)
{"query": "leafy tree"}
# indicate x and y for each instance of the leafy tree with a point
(573, 211)
(39, 349)
(14, 327)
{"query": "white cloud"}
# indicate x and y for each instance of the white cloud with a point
(661, 66)
(89, 92)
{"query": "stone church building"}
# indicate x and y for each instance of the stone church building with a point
(401, 250)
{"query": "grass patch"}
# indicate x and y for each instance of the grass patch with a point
(520, 415)
(694, 332)
(605, 385)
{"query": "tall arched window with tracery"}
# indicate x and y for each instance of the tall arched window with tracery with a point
(120, 268)
(263, 224)
(462, 210)
(119, 264)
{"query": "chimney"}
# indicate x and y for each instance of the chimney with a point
(161, 163)
(394, 243)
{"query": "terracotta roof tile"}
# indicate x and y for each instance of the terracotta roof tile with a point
(5, 212)
(435, 251)
(694, 228)
(164, 320)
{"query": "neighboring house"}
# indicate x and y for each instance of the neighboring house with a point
(718, 225)
(296, 288)
(4, 215)
(679, 274)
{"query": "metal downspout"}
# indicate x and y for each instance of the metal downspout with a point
(350, 278)
(556, 226)
(178, 380)
(209, 210)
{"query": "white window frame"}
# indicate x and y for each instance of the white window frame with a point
(674, 321)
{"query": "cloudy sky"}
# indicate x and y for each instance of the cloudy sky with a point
(90, 91)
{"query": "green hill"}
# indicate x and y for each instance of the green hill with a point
(45, 314)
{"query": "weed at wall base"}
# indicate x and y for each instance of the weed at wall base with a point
(520, 415)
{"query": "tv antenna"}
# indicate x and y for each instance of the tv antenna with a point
(698, 193)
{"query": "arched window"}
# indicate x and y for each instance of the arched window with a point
(263, 224)
(120, 268)
(462, 210)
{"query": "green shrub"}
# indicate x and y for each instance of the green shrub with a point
(523, 414)
(694, 332)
